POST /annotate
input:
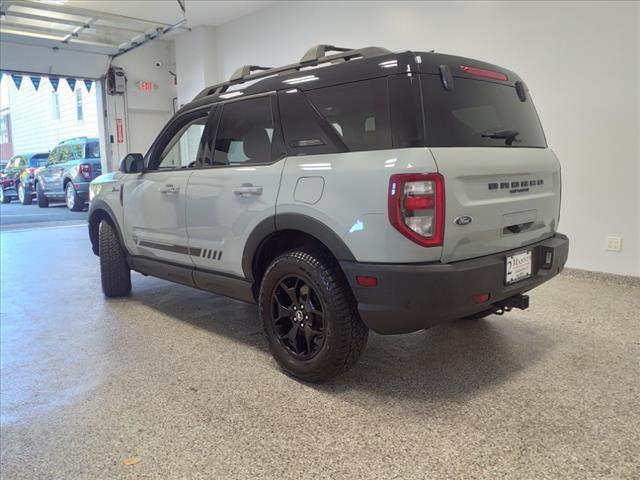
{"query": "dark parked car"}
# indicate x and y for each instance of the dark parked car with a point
(69, 170)
(17, 178)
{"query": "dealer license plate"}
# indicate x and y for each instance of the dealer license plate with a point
(518, 267)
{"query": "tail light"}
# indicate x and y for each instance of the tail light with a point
(32, 171)
(85, 171)
(416, 207)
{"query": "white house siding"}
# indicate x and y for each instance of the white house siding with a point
(33, 124)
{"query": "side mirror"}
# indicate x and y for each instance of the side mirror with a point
(132, 163)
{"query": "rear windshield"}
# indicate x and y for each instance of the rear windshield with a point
(92, 150)
(39, 160)
(476, 110)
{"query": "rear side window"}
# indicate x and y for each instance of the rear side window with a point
(358, 111)
(245, 133)
(476, 110)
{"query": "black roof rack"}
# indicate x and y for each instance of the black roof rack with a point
(245, 71)
(314, 56)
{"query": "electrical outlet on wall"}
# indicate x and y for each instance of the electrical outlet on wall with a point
(614, 244)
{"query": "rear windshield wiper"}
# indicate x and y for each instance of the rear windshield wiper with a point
(508, 135)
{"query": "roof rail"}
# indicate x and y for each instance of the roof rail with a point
(314, 56)
(318, 51)
(245, 71)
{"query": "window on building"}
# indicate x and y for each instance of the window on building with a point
(4, 128)
(79, 112)
(55, 104)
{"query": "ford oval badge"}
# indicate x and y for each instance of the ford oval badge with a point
(463, 220)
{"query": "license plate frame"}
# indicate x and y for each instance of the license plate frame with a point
(518, 267)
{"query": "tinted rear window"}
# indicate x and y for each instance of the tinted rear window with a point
(458, 118)
(38, 160)
(92, 150)
(358, 111)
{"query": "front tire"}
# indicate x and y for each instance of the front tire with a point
(310, 317)
(73, 200)
(23, 195)
(114, 269)
(43, 202)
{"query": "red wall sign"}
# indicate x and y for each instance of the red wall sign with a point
(119, 131)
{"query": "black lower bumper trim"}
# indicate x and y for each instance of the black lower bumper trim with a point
(411, 297)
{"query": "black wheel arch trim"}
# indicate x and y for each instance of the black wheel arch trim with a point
(291, 221)
(95, 207)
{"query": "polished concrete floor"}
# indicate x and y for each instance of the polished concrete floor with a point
(181, 380)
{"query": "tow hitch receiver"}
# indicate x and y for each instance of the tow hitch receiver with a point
(517, 301)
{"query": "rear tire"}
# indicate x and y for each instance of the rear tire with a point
(310, 317)
(24, 196)
(3, 197)
(114, 269)
(43, 202)
(72, 199)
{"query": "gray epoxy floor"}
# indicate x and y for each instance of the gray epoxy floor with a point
(182, 380)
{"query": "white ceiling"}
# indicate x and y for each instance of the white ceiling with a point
(199, 12)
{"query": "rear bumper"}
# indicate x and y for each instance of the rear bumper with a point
(82, 189)
(411, 297)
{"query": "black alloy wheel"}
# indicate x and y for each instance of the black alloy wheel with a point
(297, 315)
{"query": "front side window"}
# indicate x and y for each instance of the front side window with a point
(54, 156)
(245, 133)
(182, 149)
(358, 111)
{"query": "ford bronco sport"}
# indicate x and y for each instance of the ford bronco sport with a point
(359, 190)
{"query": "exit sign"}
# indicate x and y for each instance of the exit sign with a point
(145, 86)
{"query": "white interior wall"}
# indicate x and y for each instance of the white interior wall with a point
(581, 61)
(146, 112)
(196, 62)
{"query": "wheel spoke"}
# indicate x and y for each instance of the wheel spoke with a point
(290, 291)
(309, 335)
(311, 308)
(283, 312)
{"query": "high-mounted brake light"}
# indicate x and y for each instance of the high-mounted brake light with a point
(85, 171)
(481, 72)
(416, 207)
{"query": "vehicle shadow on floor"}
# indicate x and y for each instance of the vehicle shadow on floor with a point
(447, 362)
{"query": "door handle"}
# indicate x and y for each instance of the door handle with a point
(169, 189)
(247, 190)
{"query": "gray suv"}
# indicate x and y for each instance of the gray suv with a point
(359, 190)
(71, 166)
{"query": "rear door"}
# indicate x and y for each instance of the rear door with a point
(502, 183)
(155, 200)
(236, 184)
